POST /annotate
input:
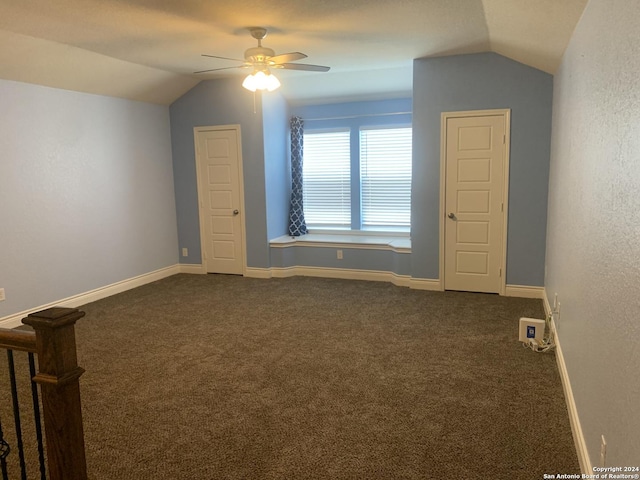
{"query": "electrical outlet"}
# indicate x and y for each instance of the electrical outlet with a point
(339, 254)
(2, 297)
(185, 252)
(603, 451)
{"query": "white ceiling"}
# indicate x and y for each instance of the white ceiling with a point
(147, 49)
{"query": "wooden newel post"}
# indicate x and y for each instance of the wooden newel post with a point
(58, 376)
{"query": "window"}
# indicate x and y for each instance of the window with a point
(385, 176)
(326, 179)
(364, 188)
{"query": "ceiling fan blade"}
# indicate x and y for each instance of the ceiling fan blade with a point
(223, 58)
(303, 66)
(216, 69)
(287, 57)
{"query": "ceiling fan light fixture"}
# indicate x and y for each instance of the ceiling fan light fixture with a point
(261, 80)
(261, 58)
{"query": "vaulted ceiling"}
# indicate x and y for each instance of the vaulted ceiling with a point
(148, 49)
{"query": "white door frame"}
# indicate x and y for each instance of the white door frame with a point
(505, 193)
(201, 200)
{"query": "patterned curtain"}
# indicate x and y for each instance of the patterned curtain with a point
(297, 225)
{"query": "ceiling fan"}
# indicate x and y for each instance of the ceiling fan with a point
(261, 59)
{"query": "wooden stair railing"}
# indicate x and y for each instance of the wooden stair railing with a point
(53, 341)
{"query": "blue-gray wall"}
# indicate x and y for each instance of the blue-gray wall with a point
(593, 243)
(108, 179)
(86, 193)
(212, 103)
(354, 114)
(275, 113)
(479, 82)
(464, 82)
(353, 259)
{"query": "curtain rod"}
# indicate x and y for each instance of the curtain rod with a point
(347, 117)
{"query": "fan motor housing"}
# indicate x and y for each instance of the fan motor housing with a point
(258, 54)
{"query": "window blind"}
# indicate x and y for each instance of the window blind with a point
(327, 179)
(385, 175)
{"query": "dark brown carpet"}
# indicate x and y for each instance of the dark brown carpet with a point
(222, 377)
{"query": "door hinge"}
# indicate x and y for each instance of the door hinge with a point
(502, 207)
(500, 273)
(504, 138)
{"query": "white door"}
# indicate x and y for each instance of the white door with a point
(475, 196)
(218, 160)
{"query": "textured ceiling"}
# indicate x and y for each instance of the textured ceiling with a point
(147, 49)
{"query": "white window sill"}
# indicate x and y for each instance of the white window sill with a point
(397, 243)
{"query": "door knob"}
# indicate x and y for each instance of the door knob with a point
(236, 212)
(452, 216)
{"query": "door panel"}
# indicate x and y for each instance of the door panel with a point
(474, 203)
(473, 232)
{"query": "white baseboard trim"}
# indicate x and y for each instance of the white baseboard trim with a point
(254, 272)
(524, 291)
(193, 268)
(576, 429)
(75, 301)
(425, 284)
(521, 291)
(344, 273)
